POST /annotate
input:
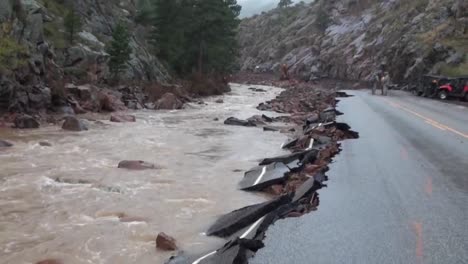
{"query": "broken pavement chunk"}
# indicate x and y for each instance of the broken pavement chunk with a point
(236, 251)
(290, 143)
(343, 94)
(288, 158)
(233, 222)
(264, 176)
(311, 185)
(303, 156)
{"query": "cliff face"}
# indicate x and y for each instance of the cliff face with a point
(351, 39)
(34, 50)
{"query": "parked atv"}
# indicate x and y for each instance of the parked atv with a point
(456, 87)
(429, 85)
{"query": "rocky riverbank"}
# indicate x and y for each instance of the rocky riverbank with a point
(62, 187)
(83, 101)
(292, 180)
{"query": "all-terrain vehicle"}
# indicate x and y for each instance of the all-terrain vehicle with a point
(456, 87)
(429, 85)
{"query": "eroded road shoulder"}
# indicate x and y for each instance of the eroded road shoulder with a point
(293, 179)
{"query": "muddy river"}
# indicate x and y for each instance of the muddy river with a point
(70, 202)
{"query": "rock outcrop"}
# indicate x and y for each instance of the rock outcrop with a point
(38, 57)
(352, 39)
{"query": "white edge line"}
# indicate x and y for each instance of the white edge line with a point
(311, 144)
(252, 227)
(204, 257)
(261, 176)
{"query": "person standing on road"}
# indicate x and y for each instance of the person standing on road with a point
(385, 83)
(377, 81)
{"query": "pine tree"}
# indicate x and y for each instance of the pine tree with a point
(284, 3)
(119, 50)
(196, 35)
(171, 22)
(323, 19)
(72, 23)
(214, 35)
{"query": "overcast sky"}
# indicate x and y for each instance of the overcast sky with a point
(251, 7)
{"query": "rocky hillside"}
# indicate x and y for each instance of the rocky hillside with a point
(350, 39)
(36, 58)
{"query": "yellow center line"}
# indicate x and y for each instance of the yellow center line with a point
(436, 125)
(427, 119)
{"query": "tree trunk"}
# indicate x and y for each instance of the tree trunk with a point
(200, 59)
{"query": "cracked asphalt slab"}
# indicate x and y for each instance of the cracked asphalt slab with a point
(398, 194)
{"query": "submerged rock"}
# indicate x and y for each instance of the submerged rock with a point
(122, 118)
(50, 261)
(232, 121)
(136, 165)
(259, 90)
(25, 122)
(165, 242)
(219, 101)
(73, 124)
(5, 144)
(45, 144)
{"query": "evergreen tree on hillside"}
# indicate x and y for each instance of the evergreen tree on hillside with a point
(119, 50)
(284, 3)
(171, 20)
(323, 19)
(72, 23)
(196, 35)
(214, 33)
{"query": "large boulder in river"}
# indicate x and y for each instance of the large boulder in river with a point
(74, 124)
(169, 102)
(26, 121)
(165, 242)
(5, 144)
(122, 118)
(110, 102)
(136, 165)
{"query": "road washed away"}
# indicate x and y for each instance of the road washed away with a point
(68, 200)
(293, 179)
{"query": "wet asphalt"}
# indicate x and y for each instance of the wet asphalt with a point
(398, 194)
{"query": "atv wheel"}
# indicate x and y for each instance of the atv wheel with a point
(443, 95)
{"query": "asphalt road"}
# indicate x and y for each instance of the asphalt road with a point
(398, 194)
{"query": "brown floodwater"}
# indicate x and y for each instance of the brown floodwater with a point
(70, 202)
